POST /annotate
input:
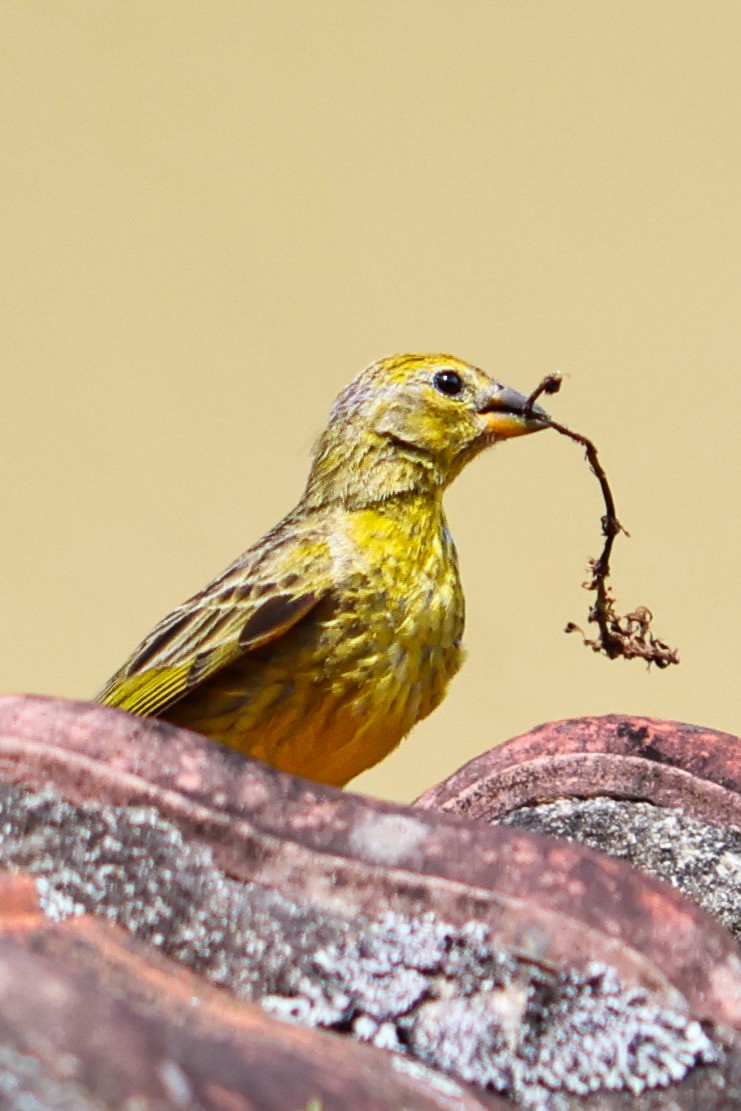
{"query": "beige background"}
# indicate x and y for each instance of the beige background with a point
(214, 214)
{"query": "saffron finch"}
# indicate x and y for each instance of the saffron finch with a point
(321, 646)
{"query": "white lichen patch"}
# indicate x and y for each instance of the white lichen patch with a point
(702, 860)
(436, 993)
(387, 838)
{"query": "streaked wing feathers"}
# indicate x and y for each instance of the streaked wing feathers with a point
(197, 640)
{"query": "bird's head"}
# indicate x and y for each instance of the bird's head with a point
(414, 420)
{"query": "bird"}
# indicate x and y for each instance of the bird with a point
(320, 647)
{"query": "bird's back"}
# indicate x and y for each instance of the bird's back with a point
(340, 688)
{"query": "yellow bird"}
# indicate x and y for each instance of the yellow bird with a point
(321, 646)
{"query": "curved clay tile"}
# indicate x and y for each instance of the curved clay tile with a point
(175, 879)
(663, 762)
(664, 796)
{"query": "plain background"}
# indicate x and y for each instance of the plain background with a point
(214, 214)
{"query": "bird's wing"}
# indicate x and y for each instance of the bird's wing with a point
(238, 613)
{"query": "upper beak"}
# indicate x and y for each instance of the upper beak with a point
(504, 413)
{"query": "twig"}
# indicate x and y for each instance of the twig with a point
(630, 635)
(550, 384)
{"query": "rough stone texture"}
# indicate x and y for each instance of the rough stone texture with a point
(518, 963)
(552, 901)
(662, 795)
(701, 860)
(413, 984)
(89, 1019)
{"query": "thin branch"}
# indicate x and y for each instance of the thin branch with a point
(627, 636)
(550, 384)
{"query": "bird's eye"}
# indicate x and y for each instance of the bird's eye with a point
(448, 382)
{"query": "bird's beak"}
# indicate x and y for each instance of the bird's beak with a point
(506, 414)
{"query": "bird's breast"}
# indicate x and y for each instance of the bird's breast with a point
(398, 617)
(342, 688)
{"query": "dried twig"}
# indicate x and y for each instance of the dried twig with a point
(630, 635)
(550, 384)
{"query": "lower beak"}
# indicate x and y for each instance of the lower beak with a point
(507, 414)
